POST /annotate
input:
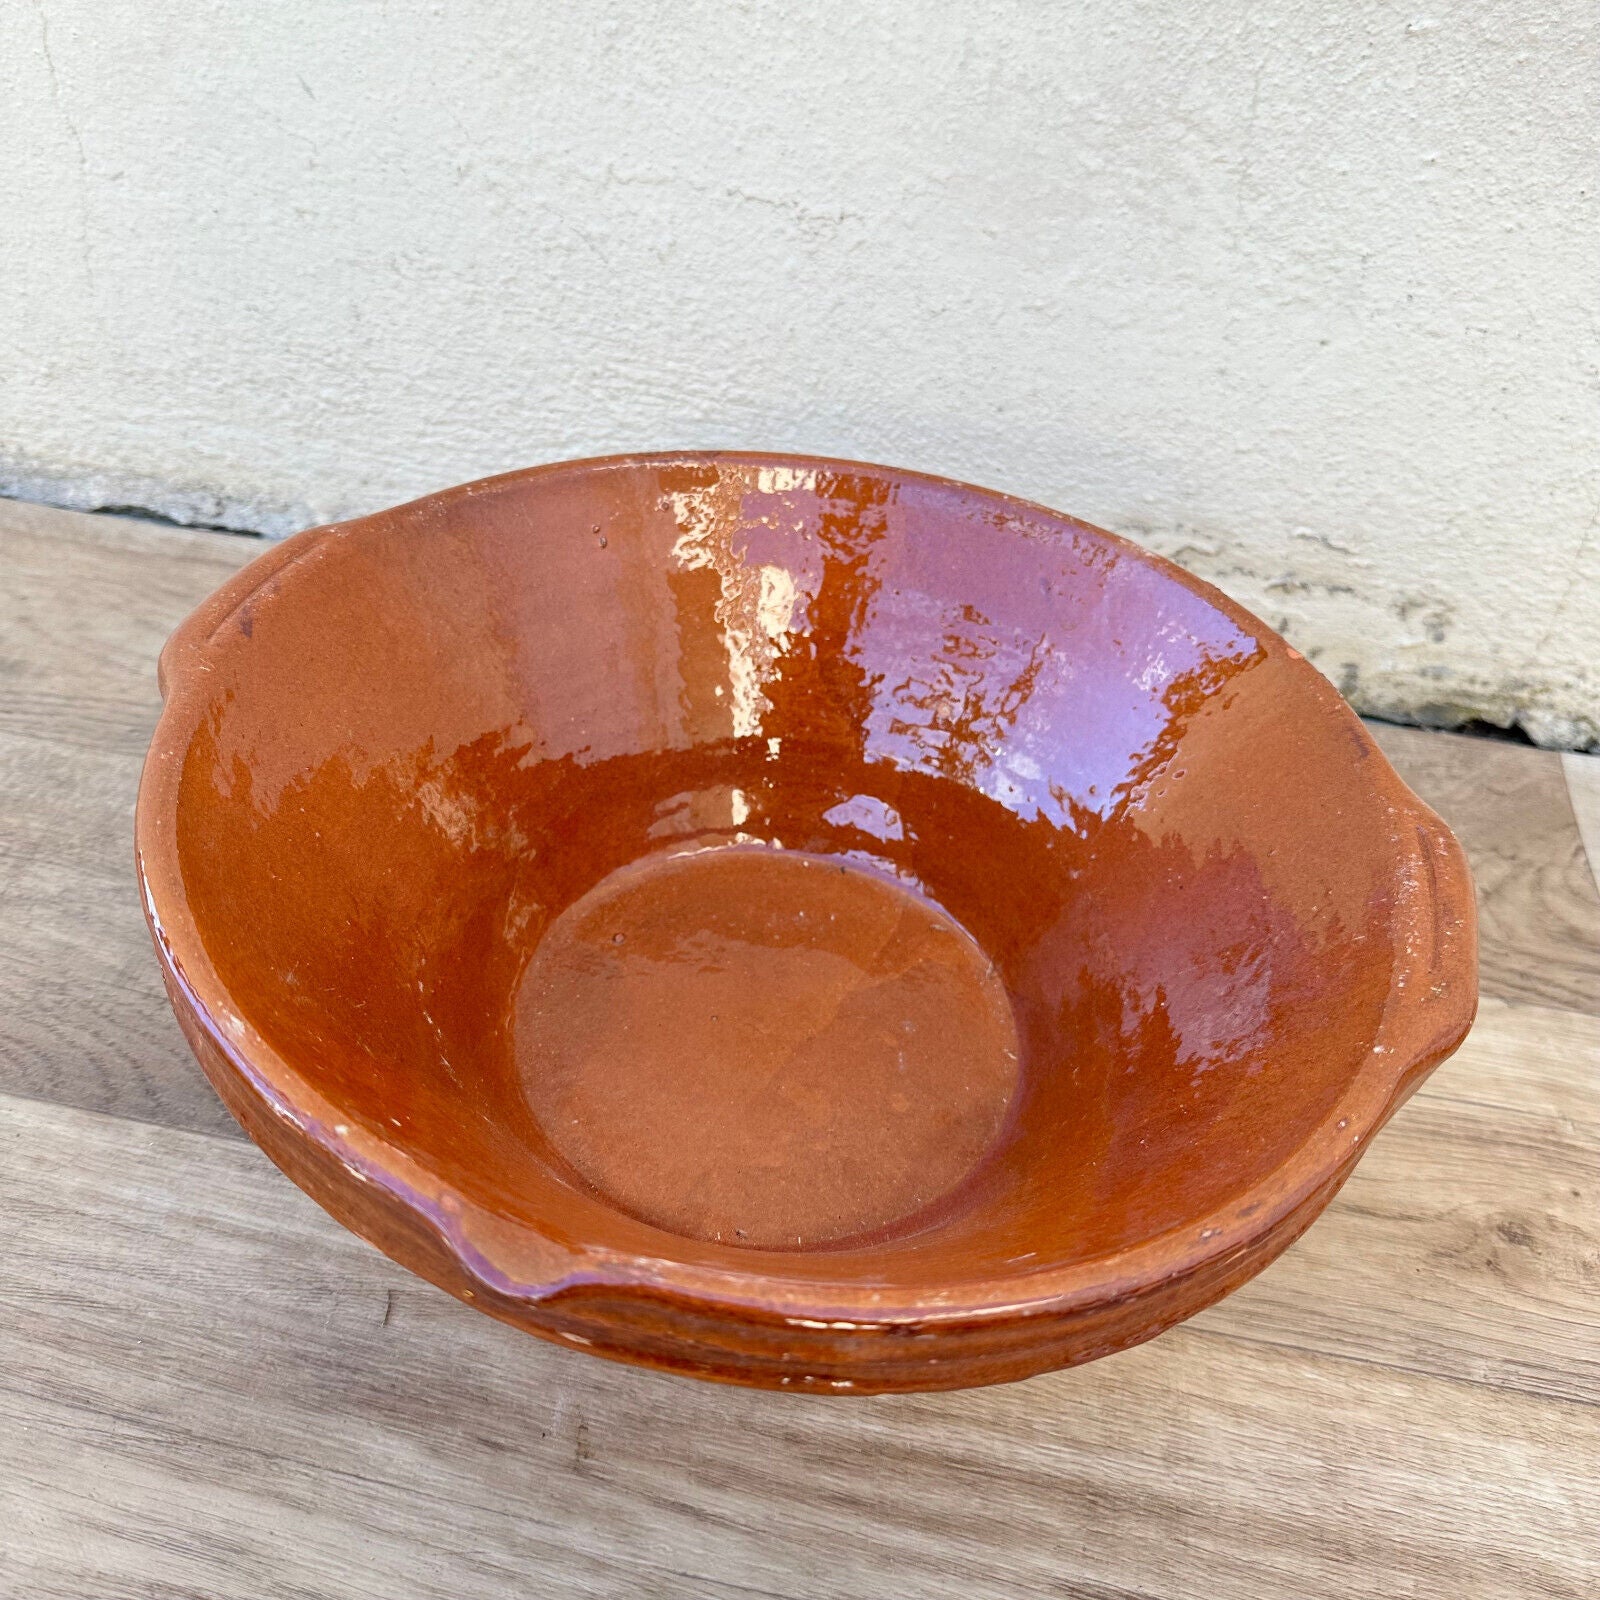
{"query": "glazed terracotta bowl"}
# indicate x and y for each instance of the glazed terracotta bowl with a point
(788, 921)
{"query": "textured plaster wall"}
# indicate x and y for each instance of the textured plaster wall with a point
(1302, 294)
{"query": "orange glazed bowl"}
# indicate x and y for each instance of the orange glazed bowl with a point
(788, 921)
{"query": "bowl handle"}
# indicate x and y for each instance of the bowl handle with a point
(1435, 993)
(186, 644)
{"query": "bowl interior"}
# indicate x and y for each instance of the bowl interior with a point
(712, 858)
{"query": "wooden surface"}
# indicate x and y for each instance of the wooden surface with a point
(208, 1389)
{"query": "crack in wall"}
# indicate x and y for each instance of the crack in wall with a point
(85, 232)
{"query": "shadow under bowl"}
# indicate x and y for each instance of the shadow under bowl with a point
(790, 921)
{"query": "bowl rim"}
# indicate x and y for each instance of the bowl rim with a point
(1429, 1010)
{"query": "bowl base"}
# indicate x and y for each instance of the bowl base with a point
(765, 1048)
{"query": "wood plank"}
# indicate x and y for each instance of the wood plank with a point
(1583, 790)
(83, 1016)
(208, 1387)
(86, 602)
(1538, 905)
(1467, 1245)
(85, 605)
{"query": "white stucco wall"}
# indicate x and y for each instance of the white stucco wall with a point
(1302, 294)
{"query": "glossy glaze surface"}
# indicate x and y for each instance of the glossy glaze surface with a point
(764, 1047)
(791, 921)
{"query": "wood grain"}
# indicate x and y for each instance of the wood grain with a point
(1538, 905)
(1583, 791)
(85, 605)
(210, 1388)
(1467, 1245)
